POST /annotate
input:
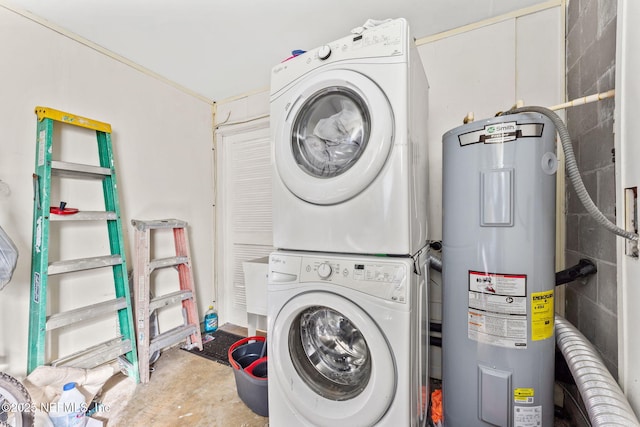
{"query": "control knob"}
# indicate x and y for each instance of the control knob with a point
(324, 52)
(324, 270)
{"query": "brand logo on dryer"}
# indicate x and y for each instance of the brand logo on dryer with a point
(276, 260)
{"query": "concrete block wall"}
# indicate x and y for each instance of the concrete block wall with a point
(590, 68)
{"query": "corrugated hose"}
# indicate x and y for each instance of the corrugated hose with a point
(605, 402)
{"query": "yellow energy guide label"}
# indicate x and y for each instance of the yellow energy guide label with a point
(542, 315)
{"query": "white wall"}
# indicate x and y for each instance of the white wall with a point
(627, 128)
(486, 70)
(162, 140)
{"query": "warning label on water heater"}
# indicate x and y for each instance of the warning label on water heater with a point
(498, 309)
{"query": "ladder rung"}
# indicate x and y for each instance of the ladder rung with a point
(80, 264)
(59, 320)
(158, 223)
(85, 216)
(171, 337)
(126, 367)
(171, 298)
(76, 170)
(167, 262)
(96, 355)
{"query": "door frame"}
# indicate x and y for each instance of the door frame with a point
(222, 274)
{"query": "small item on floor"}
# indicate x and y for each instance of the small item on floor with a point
(45, 385)
(211, 320)
(248, 357)
(207, 337)
(69, 410)
(436, 408)
(217, 348)
(187, 347)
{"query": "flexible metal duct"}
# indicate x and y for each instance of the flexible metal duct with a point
(602, 396)
(435, 262)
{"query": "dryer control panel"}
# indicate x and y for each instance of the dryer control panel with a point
(386, 41)
(384, 279)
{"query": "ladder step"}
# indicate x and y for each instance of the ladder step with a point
(171, 337)
(96, 355)
(168, 299)
(158, 223)
(85, 216)
(167, 262)
(80, 264)
(127, 368)
(76, 170)
(59, 320)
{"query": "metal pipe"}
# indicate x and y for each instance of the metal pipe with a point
(435, 262)
(584, 100)
(605, 402)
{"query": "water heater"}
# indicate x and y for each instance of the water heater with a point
(499, 272)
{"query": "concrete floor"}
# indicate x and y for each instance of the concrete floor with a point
(184, 390)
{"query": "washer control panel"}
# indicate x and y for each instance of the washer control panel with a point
(388, 279)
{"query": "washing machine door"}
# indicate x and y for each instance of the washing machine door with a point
(335, 138)
(332, 361)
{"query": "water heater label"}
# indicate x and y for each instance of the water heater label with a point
(527, 416)
(542, 315)
(498, 309)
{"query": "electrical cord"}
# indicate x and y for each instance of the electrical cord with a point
(574, 173)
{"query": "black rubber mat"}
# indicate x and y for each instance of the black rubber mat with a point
(217, 349)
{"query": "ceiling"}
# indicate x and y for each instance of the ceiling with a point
(224, 48)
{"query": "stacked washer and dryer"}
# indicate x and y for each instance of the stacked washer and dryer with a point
(347, 295)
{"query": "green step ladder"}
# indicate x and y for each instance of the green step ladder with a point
(122, 347)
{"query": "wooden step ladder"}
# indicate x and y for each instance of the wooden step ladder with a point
(142, 269)
(123, 346)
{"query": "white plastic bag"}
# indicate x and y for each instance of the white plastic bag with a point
(8, 258)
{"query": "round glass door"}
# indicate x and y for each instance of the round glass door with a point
(330, 360)
(335, 136)
(329, 353)
(331, 132)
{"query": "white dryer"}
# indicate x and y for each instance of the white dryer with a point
(348, 123)
(347, 340)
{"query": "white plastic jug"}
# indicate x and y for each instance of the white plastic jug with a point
(69, 410)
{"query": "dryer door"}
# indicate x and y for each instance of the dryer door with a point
(332, 360)
(335, 138)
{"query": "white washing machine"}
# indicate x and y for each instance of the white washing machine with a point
(348, 123)
(347, 340)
